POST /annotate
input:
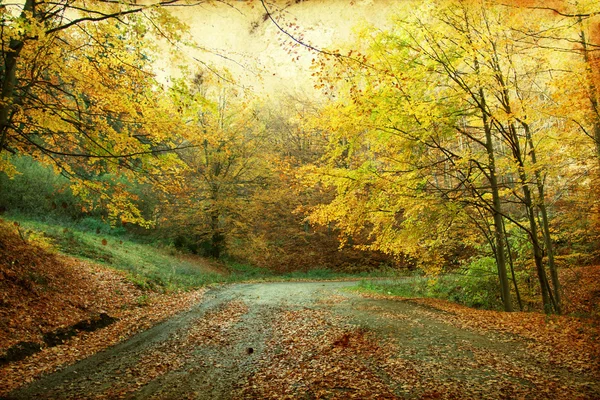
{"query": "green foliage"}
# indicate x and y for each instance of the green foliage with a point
(36, 190)
(479, 285)
(40, 192)
(476, 287)
(155, 268)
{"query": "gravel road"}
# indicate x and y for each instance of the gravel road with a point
(311, 340)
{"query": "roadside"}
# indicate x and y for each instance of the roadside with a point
(56, 309)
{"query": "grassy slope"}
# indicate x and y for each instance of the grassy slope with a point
(152, 267)
(45, 297)
(42, 291)
(147, 266)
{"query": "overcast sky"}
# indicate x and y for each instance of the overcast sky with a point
(250, 46)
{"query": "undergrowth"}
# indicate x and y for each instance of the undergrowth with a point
(579, 289)
(152, 266)
(474, 285)
(467, 290)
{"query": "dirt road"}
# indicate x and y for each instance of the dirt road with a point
(314, 340)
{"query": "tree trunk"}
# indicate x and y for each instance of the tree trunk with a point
(541, 204)
(8, 86)
(497, 211)
(9, 81)
(216, 239)
(512, 271)
(593, 91)
(537, 250)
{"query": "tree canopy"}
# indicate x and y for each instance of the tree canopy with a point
(459, 133)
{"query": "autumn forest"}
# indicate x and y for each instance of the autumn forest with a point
(450, 152)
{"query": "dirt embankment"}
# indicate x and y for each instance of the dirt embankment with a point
(55, 310)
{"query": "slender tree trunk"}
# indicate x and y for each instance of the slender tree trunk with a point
(512, 270)
(541, 204)
(497, 212)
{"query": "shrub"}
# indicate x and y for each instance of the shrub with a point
(480, 284)
(37, 190)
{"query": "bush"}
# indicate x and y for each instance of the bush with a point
(476, 286)
(479, 283)
(40, 192)
(37, 190)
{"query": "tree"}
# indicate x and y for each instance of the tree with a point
(223, 168)
(434, 132)
(405, 99)
(78, 90)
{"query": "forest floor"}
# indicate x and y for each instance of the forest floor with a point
(321, 340)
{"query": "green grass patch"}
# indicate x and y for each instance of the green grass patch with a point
(241, 272)
(327, 274)
(478, 291)
(153, 267)
(149, 267)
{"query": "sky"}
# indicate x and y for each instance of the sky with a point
(242, 40)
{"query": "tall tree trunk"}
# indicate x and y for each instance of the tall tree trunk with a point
(497, 211)
(541, 204)
(593, 95)
(512, 270)
(9, 81)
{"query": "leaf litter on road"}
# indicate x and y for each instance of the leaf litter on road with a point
(328, 344)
